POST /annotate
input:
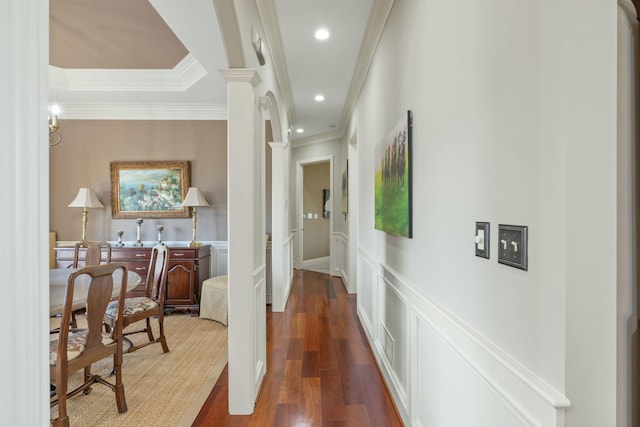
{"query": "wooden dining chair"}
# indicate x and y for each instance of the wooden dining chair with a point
(147, 307)
(74, 349)
(95, 253)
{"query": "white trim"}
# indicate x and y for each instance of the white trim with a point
(142, 111)
(299, 208)
(178, 79)
(24, 47)
(524, 393)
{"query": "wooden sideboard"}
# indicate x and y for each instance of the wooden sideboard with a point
(188, 268)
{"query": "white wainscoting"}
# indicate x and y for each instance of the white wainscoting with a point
(260, 310)
(288, 268)
(340, 257)
(440, 371)
(219, 258)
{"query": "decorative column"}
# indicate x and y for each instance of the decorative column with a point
(24, 59)
(279, 225)
(243, 201)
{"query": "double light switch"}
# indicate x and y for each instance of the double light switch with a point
(512, 245)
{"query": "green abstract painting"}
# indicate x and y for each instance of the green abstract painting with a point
(393, 180)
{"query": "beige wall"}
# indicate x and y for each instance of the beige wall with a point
(316, 231)
(87, 148)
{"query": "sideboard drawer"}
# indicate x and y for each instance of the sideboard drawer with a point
(130, 254)
(180, 253)
(139, 267)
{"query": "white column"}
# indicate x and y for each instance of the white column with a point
(24, 217)
(243, 205)
(279, 226)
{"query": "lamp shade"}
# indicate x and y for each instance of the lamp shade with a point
(194, 198)
(86, 198)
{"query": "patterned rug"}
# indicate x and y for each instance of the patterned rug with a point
(160, 389)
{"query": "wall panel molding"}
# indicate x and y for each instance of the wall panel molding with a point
(429, 330)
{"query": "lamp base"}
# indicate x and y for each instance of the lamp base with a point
(194, 244)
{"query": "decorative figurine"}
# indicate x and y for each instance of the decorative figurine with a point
(138, 242)
(119, 243)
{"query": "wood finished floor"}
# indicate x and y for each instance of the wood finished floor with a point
(320, 369)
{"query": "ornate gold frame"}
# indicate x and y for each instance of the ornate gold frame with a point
(161, 200)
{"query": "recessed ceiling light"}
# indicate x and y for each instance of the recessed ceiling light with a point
(322, 34)
(299, 130)
(319, 98)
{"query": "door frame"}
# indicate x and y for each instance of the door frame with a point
(299, 206)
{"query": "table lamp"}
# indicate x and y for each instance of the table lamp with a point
(85, 199)
(194, 199)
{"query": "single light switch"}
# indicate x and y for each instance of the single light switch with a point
(482, 239)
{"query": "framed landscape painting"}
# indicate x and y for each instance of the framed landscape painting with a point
(393, 180)
(152, 189)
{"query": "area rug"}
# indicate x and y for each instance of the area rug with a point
(161, 389)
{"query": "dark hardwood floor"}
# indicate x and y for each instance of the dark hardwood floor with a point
(320, 369)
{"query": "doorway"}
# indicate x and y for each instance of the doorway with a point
(315, 213)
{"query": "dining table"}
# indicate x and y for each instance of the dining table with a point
(58, 285)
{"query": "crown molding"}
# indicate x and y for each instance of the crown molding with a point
(178, 79)
(247, 75)
(375, 25)
(271, 26)
(132, 111)
(315, 139)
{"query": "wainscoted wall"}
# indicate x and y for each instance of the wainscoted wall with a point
(219, 258)
(427, 356)
(340, 257)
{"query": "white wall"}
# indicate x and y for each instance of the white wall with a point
(514, 108)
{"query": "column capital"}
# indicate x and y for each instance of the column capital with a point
(248, 75)
(264, 102)
(279, 144)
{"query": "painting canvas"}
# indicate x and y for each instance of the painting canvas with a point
(393, 180)
(150, 189)
(345, 188)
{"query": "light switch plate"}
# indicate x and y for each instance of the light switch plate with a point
(482, 239)
(512, 245)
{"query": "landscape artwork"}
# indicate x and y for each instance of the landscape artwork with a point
(149, 189)
(393, 180)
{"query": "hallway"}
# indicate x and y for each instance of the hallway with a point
(320, 368)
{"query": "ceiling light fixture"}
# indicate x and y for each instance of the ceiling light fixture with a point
(300, 130)
(322, 34)
(319, 98)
